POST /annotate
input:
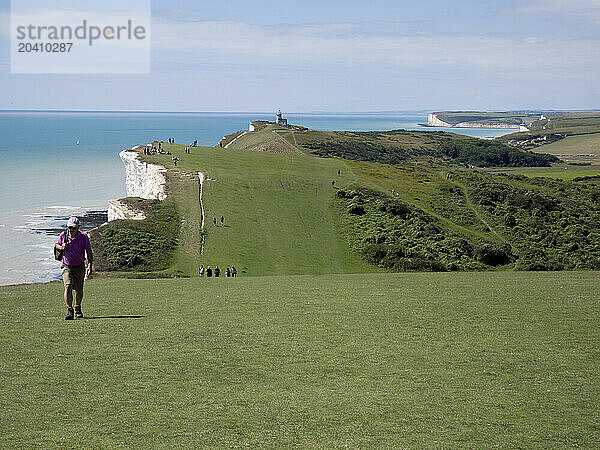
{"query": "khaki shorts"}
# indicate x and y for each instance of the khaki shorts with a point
(74, 275)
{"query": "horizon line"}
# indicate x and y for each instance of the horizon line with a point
(133, 111)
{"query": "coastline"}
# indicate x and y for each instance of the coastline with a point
(29, 165)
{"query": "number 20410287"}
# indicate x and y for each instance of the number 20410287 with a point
(47, 47)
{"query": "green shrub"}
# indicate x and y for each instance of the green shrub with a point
(374, 253)
(142, 245)
(493, 255)
(485, 153)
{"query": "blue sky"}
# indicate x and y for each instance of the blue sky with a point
(334, 55)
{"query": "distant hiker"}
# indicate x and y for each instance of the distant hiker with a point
(245, 147)
(227, 273)
(233, 271)
(215, 221)
(195, 142)
(332, 183)
(217, 271)
(208, 272)
(339, 171)
(76, 245)
(201, 271)
(222, 220)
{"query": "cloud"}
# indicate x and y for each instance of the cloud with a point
(374, 45)
(580, 9)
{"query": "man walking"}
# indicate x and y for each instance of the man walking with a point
(76, 245)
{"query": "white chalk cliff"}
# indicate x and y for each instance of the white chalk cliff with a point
(142, 180)
(432, 120)
(118, 209)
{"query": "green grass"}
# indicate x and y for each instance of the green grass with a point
(559, 173)
(574, 145)
(269, 137)
(382, 360)
(277, 207)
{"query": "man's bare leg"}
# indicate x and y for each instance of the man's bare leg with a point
(78, 299)
(69, 296)
(69, 301)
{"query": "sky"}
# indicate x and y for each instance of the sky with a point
(340, 56)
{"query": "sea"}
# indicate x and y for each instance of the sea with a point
(57, 164)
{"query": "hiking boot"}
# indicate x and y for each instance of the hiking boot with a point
(69, 315)
(78, 313)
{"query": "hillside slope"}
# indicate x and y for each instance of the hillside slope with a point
(457, 360)
(286, 211)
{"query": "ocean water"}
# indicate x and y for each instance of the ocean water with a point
(57, 164)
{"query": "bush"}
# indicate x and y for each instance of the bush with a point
(493, 255)
(374, 253)
(395, 208)
(356, 208)
(493, 154)
(416, 264)
(142, 245)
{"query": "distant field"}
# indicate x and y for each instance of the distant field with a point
(582, 145)
(571, 124)
(461, 360)
(560, 173)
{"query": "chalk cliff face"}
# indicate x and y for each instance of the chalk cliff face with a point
(142, 179)
(432, 120)
(120, 210)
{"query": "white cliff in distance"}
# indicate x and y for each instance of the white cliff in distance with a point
(142, 180)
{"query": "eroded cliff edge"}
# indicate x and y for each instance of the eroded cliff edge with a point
(143, 180)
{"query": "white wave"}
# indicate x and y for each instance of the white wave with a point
(65, 208)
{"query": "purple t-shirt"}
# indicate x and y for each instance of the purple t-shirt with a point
(74, 255)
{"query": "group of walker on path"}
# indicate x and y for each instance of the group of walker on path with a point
(229, 272)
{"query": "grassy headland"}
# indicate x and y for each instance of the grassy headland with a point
(284, 212)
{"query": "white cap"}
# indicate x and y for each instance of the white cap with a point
(73, 222)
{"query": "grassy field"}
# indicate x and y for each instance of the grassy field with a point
(382, 360)
(290, 227)
(560, 173)
(583, 145)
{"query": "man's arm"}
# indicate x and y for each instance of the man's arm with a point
(90, 258)
(58, 245)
